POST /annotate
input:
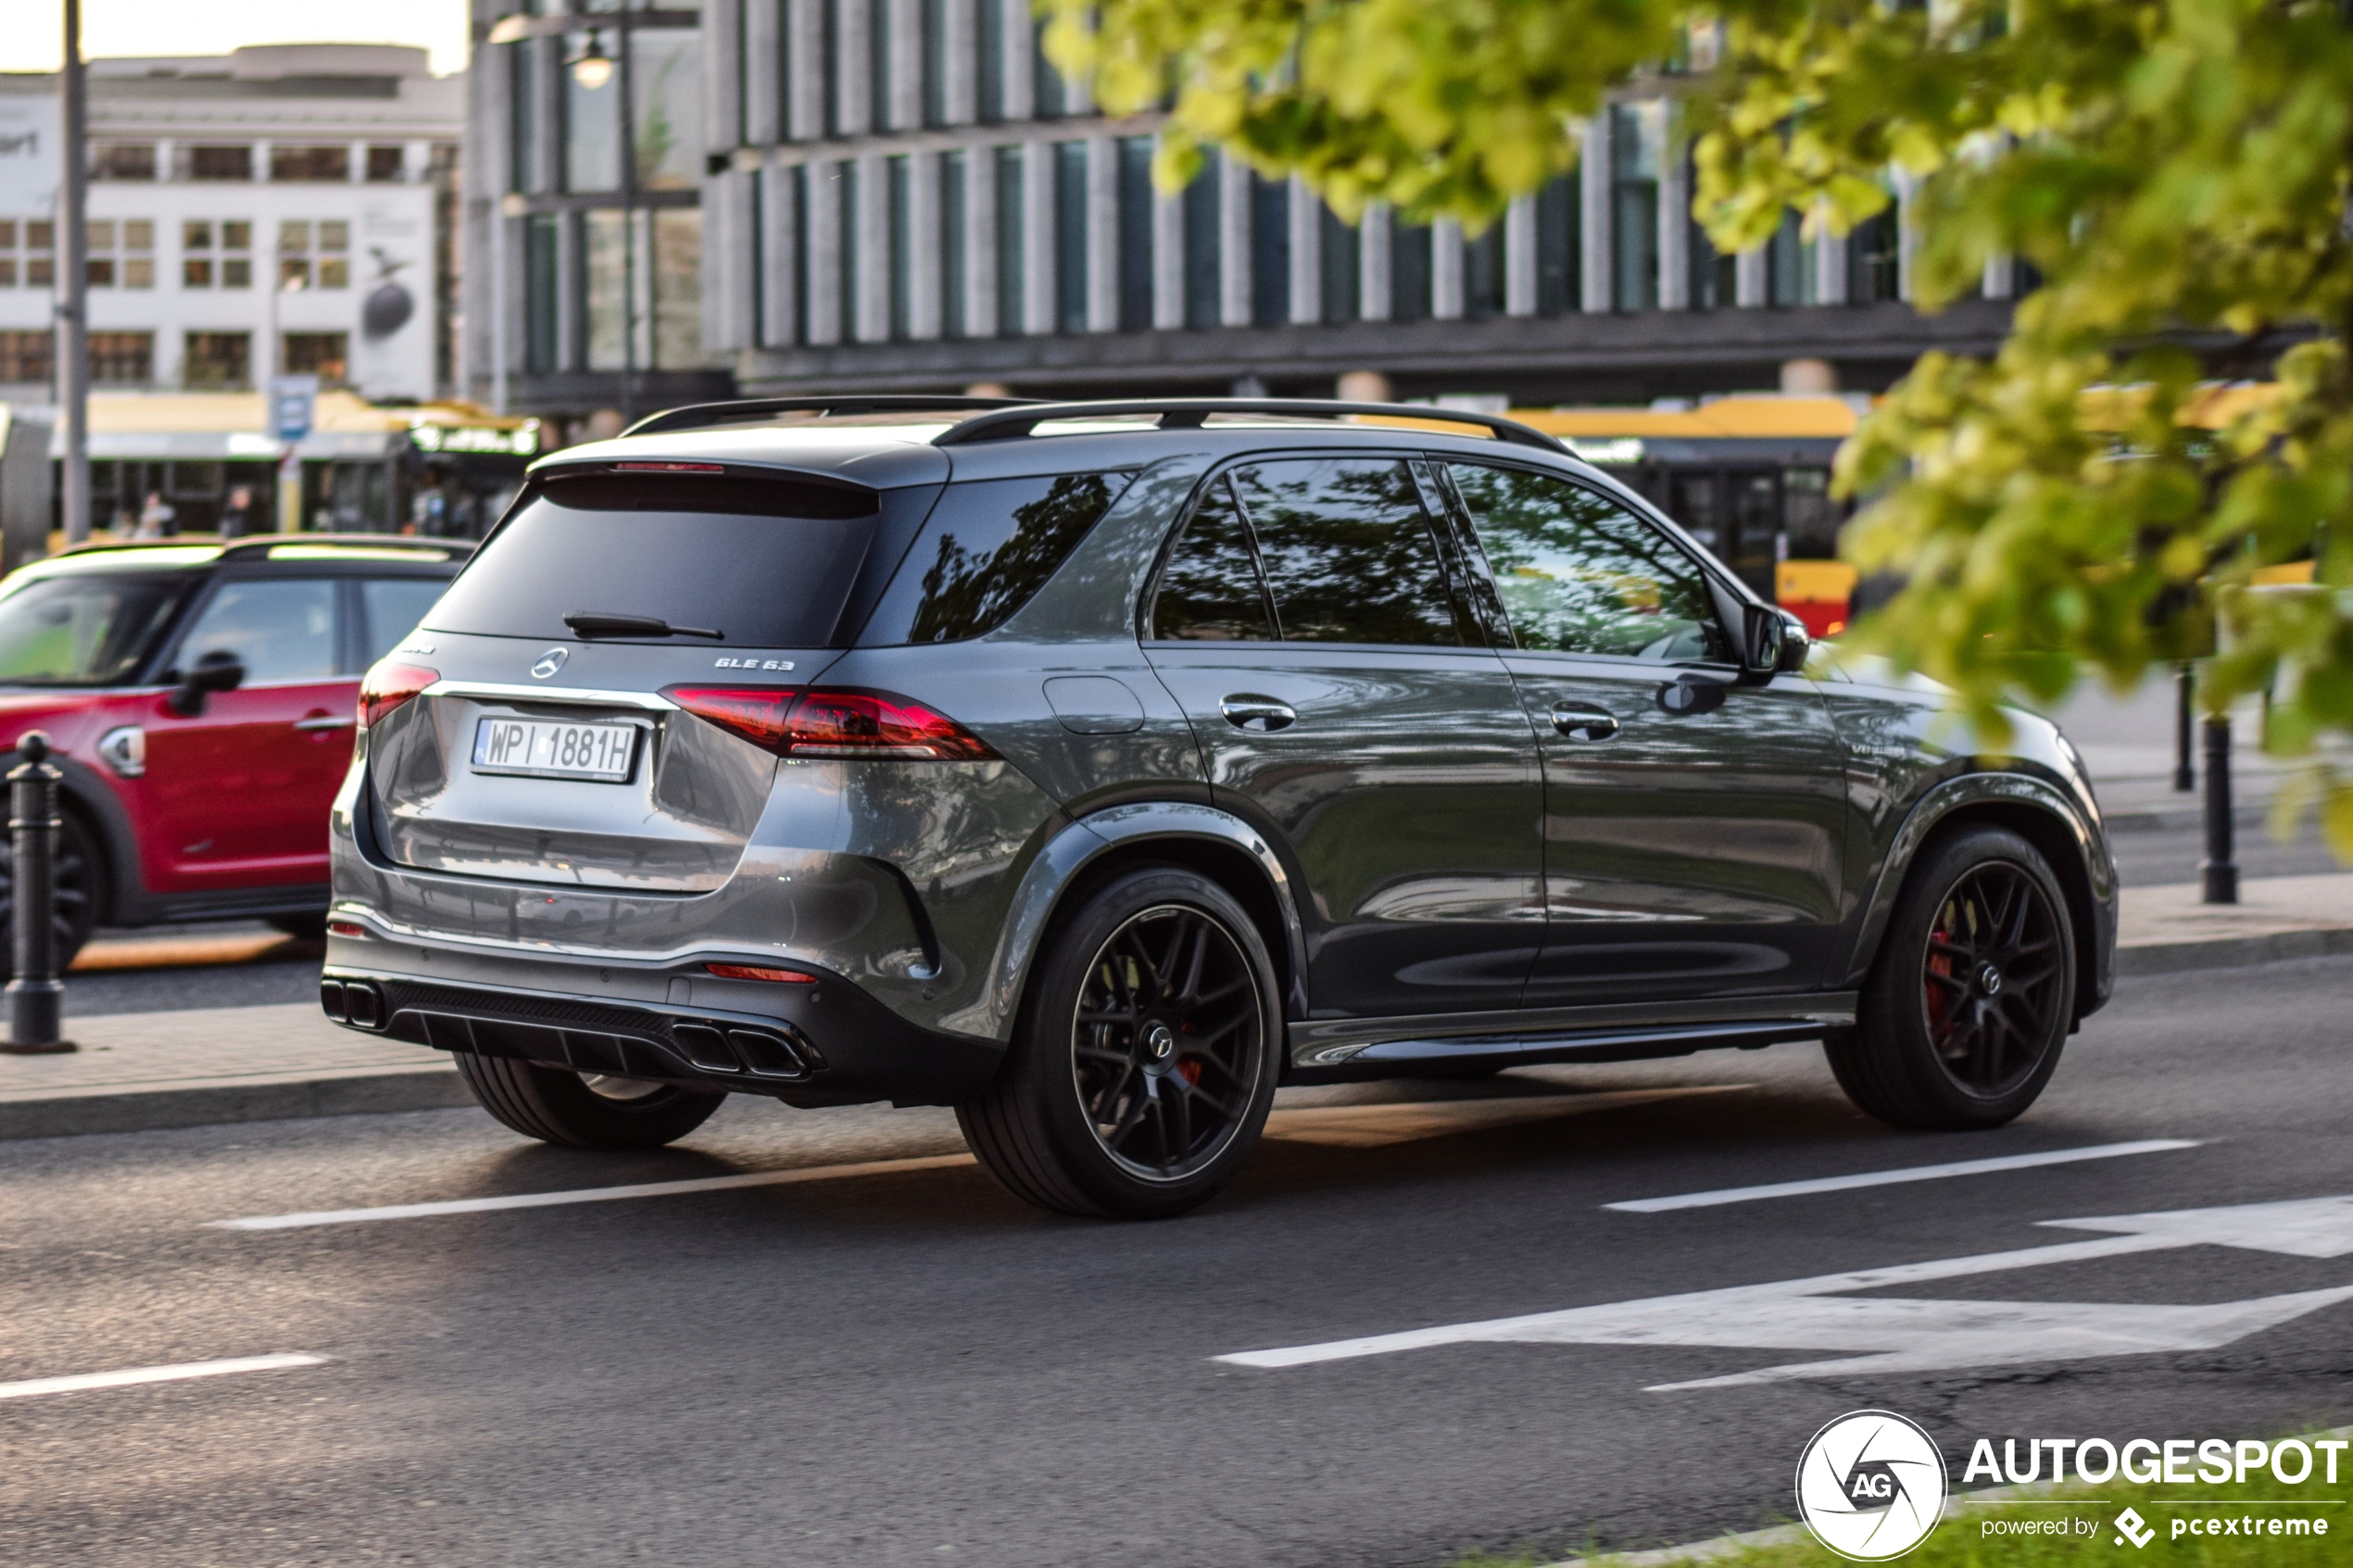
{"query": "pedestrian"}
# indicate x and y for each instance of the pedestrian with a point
(155, 518)
(236, 518)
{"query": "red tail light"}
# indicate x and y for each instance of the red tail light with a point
(835, 723)
(761, 972)
(387, 687)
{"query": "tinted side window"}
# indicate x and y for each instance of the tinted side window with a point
(391, 606)
(1348, 552)
(280, 629)
(1211, 591)
(1578, 574)
(988, 547)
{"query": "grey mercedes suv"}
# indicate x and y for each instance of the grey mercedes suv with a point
(1097, 767)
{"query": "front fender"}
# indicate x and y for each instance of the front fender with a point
(2010, 789)
(1058, 865)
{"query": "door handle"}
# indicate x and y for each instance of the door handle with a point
(1581, 723)
(1247, 711)
(324, 722)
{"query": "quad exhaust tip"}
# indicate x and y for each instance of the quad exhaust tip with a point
(356, 1002)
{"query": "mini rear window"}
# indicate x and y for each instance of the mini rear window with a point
(764, 564)
(986, 548)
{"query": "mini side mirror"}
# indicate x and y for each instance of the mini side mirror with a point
(218, 670)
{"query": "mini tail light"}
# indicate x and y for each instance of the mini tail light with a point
(346, 928)
(758, 971)
(840, 722)
(387, 687)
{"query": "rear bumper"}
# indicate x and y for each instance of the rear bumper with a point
(823, 1044)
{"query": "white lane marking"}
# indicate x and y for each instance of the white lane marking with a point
(1888, 1334)
(590, 1195)
(1370, 1126)
(131, 1375)
(1892, 1178)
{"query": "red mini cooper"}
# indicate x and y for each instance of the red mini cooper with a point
(200, 699)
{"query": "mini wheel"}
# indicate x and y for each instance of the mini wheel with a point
(1145, 1058)
(1972, 994)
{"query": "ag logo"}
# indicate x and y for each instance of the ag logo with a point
(1870, 1486)
(550, 662)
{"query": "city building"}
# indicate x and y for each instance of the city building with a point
(286, 208)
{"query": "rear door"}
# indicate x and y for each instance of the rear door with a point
(1345, 706)
(241, 791)
(1692, 823)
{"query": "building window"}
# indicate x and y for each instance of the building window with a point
(1638, 134)
(39, 253)
(217, 359)
(212, 254)
(522, 121)
(602, 237)
(1483, 274)
(100, 261)
(309, 164)
(335, 252)
(1012, 169)
(1338, 252)
(592, 125)
(123, 358)
(1790, 277)
(1409, 272)
(988, 23)
(1715, 279)
(955, 222)
(1070, 236)
(1052, 91)
(122, 160)
(1136, 234)
(830, 66)
(138, 253)
(935, 62)
(387, 166)
(325, 355)
(8, 254)
(1874, 259)
(539, 294)
(1560, 247)
(294, 253)
(219, 163)
(1269, 251)
(897, 224)
(26, 356)
(1204, 282)
(880, 49)
(676, 278)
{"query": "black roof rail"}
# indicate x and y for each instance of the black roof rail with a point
(696, 415)
(1187, 413)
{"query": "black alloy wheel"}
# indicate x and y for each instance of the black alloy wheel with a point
(1165, 1042)
(1990, 991)
(74, 908)
(1973, 991)
(1145, 1058)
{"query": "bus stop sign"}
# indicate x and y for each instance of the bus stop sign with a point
(290, 402)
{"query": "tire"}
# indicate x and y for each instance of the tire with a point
(80, 873)
(579, 1111)
(1972, 994)
(1145, 1057)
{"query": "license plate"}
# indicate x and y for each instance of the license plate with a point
(544, 749)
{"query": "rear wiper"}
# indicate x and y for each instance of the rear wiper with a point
(606, 624)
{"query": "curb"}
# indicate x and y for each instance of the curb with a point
(140, 1111)
(2231, 952)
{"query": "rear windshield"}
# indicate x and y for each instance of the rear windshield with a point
(764, 563)
(84, 629)
(988, 547)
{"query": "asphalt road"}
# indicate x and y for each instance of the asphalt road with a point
(912, 1368)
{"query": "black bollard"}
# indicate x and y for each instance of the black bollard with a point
(2184, 774)
(36, 996)
(2219, 872)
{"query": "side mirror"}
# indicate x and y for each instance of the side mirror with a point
(218, 670)
(1764, 637)
(1796, 642)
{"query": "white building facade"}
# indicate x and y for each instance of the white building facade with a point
(281, 208)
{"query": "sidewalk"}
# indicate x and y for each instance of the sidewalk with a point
(146, 1070)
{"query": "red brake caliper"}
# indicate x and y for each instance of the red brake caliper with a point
(1938, 997)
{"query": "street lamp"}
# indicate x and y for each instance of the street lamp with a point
(593, 67)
